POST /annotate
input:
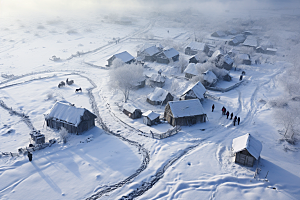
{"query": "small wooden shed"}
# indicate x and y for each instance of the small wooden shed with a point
(195, 91)
(159, 97)
(157, 80)
(73, 119)
(247, 149)
(184, 113)
(131, 111)
(150, 118)
(210, 79)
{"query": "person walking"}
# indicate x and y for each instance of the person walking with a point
(29, 156)
(227, 114)
(234, 120)
(231, 116)
(212, 108)
(223, 111)
(239, 119)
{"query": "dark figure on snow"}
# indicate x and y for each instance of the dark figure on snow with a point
(239, 119)
(29, 156)
(227, 114)
(231, 116)
(223, 110)
(241, 77)
(234, 120)
(212, 108)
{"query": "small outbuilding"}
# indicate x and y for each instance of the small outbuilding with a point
(195, 91)
(245, 59)
(210, 79)
(184, 113)
(159, 97)
(131, 111)
(167, 56)
(246, 149)
(151, 118)
(195, 47)
(73, 119)
(157, 80)
(124, 56)
(190, 71)
(271, 51)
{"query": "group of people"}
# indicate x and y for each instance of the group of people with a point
(226, 112)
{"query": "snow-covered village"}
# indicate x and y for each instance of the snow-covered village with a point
(149, 100)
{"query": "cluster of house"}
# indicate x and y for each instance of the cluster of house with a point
(247, 39)
(148, 53)
(185, 112)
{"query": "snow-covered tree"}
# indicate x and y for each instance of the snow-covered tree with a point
(125, 78)
(117, 63)
(182, 63)
(64, 134)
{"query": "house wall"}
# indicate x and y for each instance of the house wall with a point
(136, 114)
(157, 84)
(162, 60)
(189, 76)
(244, 159)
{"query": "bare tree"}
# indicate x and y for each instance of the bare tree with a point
(126, 78)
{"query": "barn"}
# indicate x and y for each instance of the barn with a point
(124, 56)
(210, 79)
(167, 56)
(131, 111)
(195, 47)
(157, 80)
(184, 113)
(190, 71)
(246, 149)
(75, 120)
(195, 91)
(159, 97)
(151, 118)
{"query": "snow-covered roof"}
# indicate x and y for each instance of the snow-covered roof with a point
(157, 78)
(244, 56)
(238, 38)
(158, 94)
(191, 69)
(227, 59)
(158, 45)
(186, 108)
(220, 33)
(232, 32)
(124, 56)
(170, 53)
(151, 115)
(198, 89)
(66, 112)
(217, 53)
(129, 107)
(250, 41)
(271, 49)
(198, 46)
(209, 76)
(248, 142)
(151, 50)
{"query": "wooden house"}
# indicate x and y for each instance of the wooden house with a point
(210, 79)
(190, 71)
(151, 118)
(131, 111)
(159, 97)
(195, 91)
(149, 53)
(250, 42)
(73, 119)
(157, 80)
(246, 149)
(236, 40)
(184, 113)
(124, 56)
(195, 47)
(226, 62)
(168, 55)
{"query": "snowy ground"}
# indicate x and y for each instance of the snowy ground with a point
(79, 168)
